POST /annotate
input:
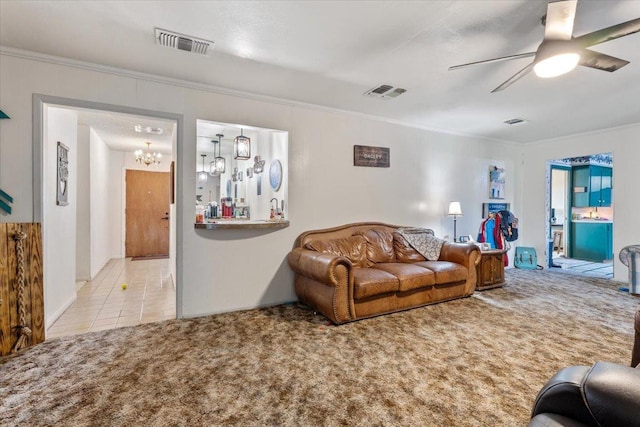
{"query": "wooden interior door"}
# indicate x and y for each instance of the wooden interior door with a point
(147, 213)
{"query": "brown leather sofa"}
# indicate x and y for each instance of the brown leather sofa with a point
(366, 269)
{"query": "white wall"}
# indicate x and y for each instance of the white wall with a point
(83, 208)
(232, 269)
(59, 226)
(100, 203)
(623, 142)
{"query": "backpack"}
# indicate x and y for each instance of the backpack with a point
(526, 258)
(508, 225)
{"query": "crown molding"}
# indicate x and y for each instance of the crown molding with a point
(57, 60)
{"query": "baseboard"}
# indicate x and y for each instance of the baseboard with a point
(55, 316)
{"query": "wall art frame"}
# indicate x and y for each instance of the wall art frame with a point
(497, 178)
(62, 182)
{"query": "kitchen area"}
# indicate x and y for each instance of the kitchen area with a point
(581, 217)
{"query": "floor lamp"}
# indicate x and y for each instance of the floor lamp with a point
(455, 211)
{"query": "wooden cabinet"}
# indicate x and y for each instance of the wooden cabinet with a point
(592, 186)
(592, 240)
(490, 270)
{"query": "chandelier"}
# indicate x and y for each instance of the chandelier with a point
(148, 158)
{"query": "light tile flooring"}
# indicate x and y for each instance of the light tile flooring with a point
(584, 268)
(101, 303)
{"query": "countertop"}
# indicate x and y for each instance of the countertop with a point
(241, 224)
(593, 221)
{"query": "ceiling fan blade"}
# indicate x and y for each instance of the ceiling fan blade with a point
(487, 61)
(600, 61)
(609, 33)
(559, 21)
(517, 76)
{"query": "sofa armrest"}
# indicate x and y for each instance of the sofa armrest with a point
(316, 265)
(465, 254)
(606, 394)
(562, 395)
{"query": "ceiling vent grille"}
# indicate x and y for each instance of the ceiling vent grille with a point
(515, 121)
(183, 42)
(385, 91)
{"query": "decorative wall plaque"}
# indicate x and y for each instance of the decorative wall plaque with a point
(377, 157)
(62, 193)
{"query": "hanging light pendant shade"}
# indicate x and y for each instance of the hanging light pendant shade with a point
(241, 147)
(218, 163)
(202, 175)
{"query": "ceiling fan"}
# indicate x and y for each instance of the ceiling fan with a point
(560, 52)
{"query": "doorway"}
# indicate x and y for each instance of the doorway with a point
(559, 208)
(58, 254)
(579, 218)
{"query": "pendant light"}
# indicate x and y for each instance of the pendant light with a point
(202, 175)
(217, 166)
(241, 147)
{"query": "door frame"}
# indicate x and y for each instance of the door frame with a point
(553, 165)
(568, 203)
(39, 101)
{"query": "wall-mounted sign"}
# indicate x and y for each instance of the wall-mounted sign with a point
(377, 157)
(488, 208)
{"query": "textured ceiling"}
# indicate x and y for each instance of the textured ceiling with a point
(118, 130)
(330, 52)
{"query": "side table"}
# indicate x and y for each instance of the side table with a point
(490, 270)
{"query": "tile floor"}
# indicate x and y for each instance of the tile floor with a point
(101, 303)
(585, 268)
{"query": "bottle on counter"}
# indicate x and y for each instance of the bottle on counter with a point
(199, 214)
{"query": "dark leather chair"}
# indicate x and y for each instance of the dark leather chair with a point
(603, 395)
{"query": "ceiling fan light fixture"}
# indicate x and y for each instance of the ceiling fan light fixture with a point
(555, 58)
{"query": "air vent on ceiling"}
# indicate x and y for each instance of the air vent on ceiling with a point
(515, 121)
(385, 92)
(182, 42)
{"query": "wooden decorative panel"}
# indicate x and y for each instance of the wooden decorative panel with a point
(33, 292)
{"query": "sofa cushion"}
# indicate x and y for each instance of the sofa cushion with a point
(369, 282)
(353, 248)
(410, 276)
(379, 244)
(404, 251)
(445, 271)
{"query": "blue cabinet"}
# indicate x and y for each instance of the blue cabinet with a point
(592, 186)
(592, 241)
(600, 191)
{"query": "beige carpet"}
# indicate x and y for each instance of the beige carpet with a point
(477, 361)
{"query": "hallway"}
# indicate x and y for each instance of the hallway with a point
(102, 303)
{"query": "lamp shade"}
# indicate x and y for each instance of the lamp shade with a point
(455, 209)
